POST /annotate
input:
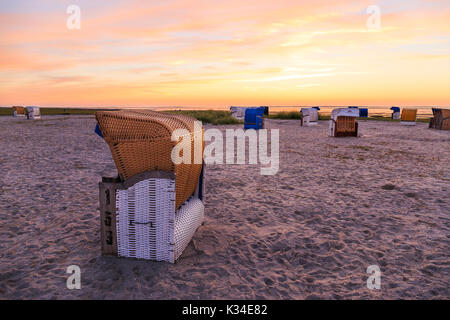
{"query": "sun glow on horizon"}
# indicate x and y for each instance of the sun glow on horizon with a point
(219, 53)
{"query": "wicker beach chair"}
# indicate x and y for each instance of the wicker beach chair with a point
(408, 117)
(441, 119)
(33, 113)
(310, 117)
(153, 208)
(18, 111)
(343, 122)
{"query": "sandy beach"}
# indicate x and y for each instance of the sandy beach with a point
(336, 206)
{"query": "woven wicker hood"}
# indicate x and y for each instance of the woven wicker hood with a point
(19, 109)
(141, 141)
(409, 114)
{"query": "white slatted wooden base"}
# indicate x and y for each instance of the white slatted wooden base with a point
(148, 226)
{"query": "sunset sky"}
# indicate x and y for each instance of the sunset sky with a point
(224, 52)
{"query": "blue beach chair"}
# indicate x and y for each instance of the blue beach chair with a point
(254, 118)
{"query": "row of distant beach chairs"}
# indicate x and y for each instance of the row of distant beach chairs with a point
(30, 112)
(343, 120)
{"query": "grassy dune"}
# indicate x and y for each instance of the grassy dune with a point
(53, 111)
(210, 116)
(285, 115)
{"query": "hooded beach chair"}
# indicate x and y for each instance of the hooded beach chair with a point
(254, 118)
(441, 119)
(343, 122)
(363, 112)
(153, 208)
(408, 117)
(395, 113)
(238, 112)
(310, 117)
(33, 112)
(18, 111)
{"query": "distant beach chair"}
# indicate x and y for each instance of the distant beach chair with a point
(238, 112)
(408, 117)
(310, 117)
(18, 111)
(33, 113)
(153, 208)
(363, 112)
(395, 113)
(441, 119)
(254, 118)
(343, 122)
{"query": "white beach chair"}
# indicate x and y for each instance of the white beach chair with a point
(33, 113)
(238, 112)
(310, 117)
